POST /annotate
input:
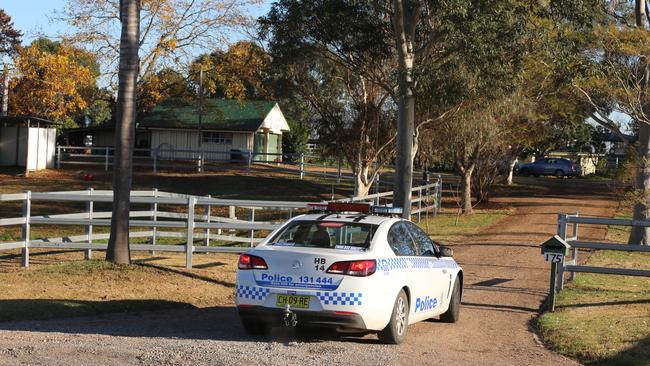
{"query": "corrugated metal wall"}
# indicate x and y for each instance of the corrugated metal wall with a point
(166, 140)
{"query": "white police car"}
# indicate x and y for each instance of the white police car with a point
(352, 271)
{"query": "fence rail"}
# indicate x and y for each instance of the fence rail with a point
(570, 222)
(202, 160)
(196, 223)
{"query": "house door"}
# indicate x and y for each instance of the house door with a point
(273, 147)
(258, 147)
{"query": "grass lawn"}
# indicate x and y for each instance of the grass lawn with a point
(601, 319)
(60, 285)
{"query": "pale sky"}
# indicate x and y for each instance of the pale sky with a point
(32, 16)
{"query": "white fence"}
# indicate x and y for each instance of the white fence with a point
(200, 160)
(565, 221)
(192, 220)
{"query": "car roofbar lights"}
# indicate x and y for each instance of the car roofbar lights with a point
(365, 208)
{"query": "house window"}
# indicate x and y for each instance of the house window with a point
(217, 138)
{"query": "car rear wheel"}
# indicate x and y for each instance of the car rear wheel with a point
(395, 331)
(255, 327)
(453, 313)
(559, 174)
(525, 172)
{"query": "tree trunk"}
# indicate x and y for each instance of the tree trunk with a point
(118, 242)
(466, 187)
(362, 185)
(404, 34)
(641, 235)
(511, 170)
(5, 91)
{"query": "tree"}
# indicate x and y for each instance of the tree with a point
(617, 80)
(158, 87)
(98, 112)
(9, 36)
(172, 29)
(334, 54)
(118, 243)
(53, 83)
(240, 73)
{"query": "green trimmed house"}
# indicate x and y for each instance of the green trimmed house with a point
(229, 128)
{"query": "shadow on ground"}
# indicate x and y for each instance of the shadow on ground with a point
(214, 323)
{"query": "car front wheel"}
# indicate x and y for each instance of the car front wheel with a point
(395, 331)
(453, 313)
(559, 174)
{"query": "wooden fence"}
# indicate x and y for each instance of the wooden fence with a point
(570, 223)
(181, 216)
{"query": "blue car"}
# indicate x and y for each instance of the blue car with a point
(557, 167)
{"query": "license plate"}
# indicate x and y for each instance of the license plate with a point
(294, 301)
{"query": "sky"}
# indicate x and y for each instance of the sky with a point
(32, 17)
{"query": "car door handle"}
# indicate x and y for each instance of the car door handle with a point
(444, 270)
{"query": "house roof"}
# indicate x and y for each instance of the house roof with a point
(26, 121)
(219, 114)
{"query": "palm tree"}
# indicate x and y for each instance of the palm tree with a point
(118, 242)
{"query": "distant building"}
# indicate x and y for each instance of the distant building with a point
(27, 142)
(228, 127)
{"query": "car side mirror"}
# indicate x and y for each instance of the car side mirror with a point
(446, 252)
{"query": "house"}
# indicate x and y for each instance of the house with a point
(227, 126)
(27, 142)
(228, 129)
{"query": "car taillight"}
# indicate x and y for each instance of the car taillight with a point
(354, 268)
(247, 261)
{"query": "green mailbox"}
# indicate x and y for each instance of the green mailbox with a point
(554, 250)
(556, 245)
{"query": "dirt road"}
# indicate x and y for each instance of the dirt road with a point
(506, 282)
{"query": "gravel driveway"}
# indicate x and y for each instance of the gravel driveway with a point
(506, 282)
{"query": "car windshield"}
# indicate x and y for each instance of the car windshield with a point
(325, 234)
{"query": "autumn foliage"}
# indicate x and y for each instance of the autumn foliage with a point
(50, 85)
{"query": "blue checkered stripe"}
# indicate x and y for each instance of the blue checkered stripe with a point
(252, 292)
(340, 298)
(396, 263)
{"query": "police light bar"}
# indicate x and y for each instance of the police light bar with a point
(364, 208)
(387, 210)
(340, 207)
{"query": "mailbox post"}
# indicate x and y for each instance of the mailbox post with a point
(554, 250)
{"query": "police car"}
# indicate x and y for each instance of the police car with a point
(350, 268)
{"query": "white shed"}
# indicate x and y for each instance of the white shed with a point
(28, 142)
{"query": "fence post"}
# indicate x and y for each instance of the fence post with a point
(154, 217)
(252, 222)
(208, 212)
(338, 172)
(439, 195)
(155, 161)
(302, 165)
(572, 275)
(561, 231)
(419, 204)
(377, 180)
(58, 157)
(189, 246)
(27, 214)
(106, 159)
(89, 228)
